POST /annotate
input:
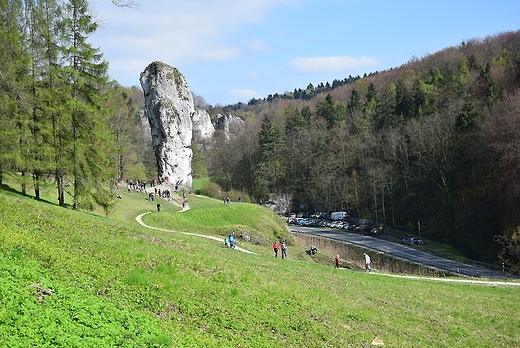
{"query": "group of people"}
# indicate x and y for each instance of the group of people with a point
(283, 247)
(277, 247)
(227, 201)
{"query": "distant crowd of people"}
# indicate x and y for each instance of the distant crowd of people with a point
(141, 187)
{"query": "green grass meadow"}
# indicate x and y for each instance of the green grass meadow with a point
(78, 279)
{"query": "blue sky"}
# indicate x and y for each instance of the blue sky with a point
(233, 50)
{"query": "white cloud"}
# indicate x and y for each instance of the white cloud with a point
(333, 64)
(252, 75)
(244, 94)
(180, 30)
(128, 68)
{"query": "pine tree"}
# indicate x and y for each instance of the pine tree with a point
(268, 170)
(14, 99)
(86, 71)
(41, 20)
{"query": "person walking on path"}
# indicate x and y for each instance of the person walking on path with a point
(337, 261)
(276, 247)
(284, 250)
(367, 263)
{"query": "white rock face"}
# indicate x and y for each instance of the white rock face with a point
(231, 125)
(202, 127)
(169, 108)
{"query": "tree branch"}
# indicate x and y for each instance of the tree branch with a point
(129, 3)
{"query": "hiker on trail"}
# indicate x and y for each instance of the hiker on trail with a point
(284, 250)
(158, 206)
(232, 241)
(276, 247)
(367, 263)
(226, 242)
(337, 261)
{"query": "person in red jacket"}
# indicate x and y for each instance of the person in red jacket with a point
(276, 247)
(337, 261)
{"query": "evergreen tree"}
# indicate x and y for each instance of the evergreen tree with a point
(86, 72)
(403, 100)
(325, 109)
(14, 97)
(385, 115)
(41, 17)
(354, 104)
(269, 169)
(468, 118)
(294, 121)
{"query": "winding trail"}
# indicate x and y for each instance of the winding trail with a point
(139, 219)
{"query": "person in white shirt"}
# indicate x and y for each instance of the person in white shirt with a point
(367, 263)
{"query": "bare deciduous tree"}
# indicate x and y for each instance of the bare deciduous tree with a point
(130, 3)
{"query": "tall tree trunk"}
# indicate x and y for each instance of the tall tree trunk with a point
(24, 186)
(36, 179)
(59, 185)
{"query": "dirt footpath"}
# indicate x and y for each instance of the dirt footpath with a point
(140, 221)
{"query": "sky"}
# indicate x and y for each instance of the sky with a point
(231, 51)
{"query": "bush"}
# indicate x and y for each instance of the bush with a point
(213, 190)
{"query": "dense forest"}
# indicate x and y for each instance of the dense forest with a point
(434, 141)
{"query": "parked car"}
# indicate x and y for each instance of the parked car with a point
(321, 223)
(412, 241)
(407, 240)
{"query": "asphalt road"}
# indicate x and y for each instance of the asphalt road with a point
(401, 251)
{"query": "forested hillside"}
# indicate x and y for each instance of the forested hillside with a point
(434, 141)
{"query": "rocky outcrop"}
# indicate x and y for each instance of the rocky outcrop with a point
(203, 129)
(169, 109)
(230, 125)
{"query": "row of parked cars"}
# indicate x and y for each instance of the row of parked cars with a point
(354, 224)
(360, 225)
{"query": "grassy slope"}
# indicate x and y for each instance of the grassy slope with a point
(77, 279)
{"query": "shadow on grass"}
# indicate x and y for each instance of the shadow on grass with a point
(8, 189)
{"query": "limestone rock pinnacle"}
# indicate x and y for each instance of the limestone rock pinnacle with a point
(169, 108)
